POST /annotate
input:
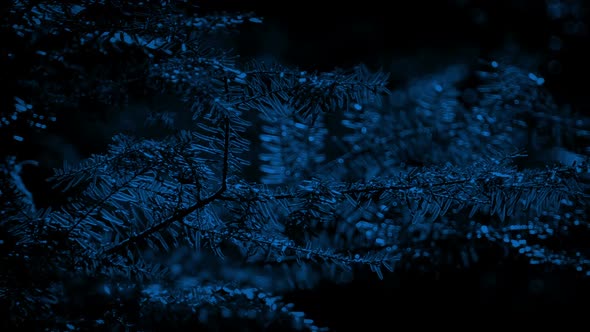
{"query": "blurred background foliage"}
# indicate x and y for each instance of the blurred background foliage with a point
(417, 39)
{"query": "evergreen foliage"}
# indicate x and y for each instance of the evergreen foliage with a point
(167, 232)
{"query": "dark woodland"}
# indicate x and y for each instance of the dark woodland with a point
(251, 166)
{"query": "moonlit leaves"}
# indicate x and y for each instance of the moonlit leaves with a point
(76, 9)
(293, 147)
(536, 79)
(241, 78)
(24, 114)
(314, 93)
(530, 240)
(21, 106)
(377, 270)
(126, 38)
(484, 229)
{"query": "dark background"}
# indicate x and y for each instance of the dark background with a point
(406, 39)
(417, 37)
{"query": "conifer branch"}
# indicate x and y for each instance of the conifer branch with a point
(346, 177)
(180, 215)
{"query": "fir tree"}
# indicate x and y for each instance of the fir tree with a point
(168, 231)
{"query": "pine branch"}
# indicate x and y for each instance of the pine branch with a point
(486, 177)
(293, 147)
(180, 215)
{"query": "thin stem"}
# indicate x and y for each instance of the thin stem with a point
(180, 215)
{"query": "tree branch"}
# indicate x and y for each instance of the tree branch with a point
(180, 215)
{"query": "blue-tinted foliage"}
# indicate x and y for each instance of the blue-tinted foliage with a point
(351, 174)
